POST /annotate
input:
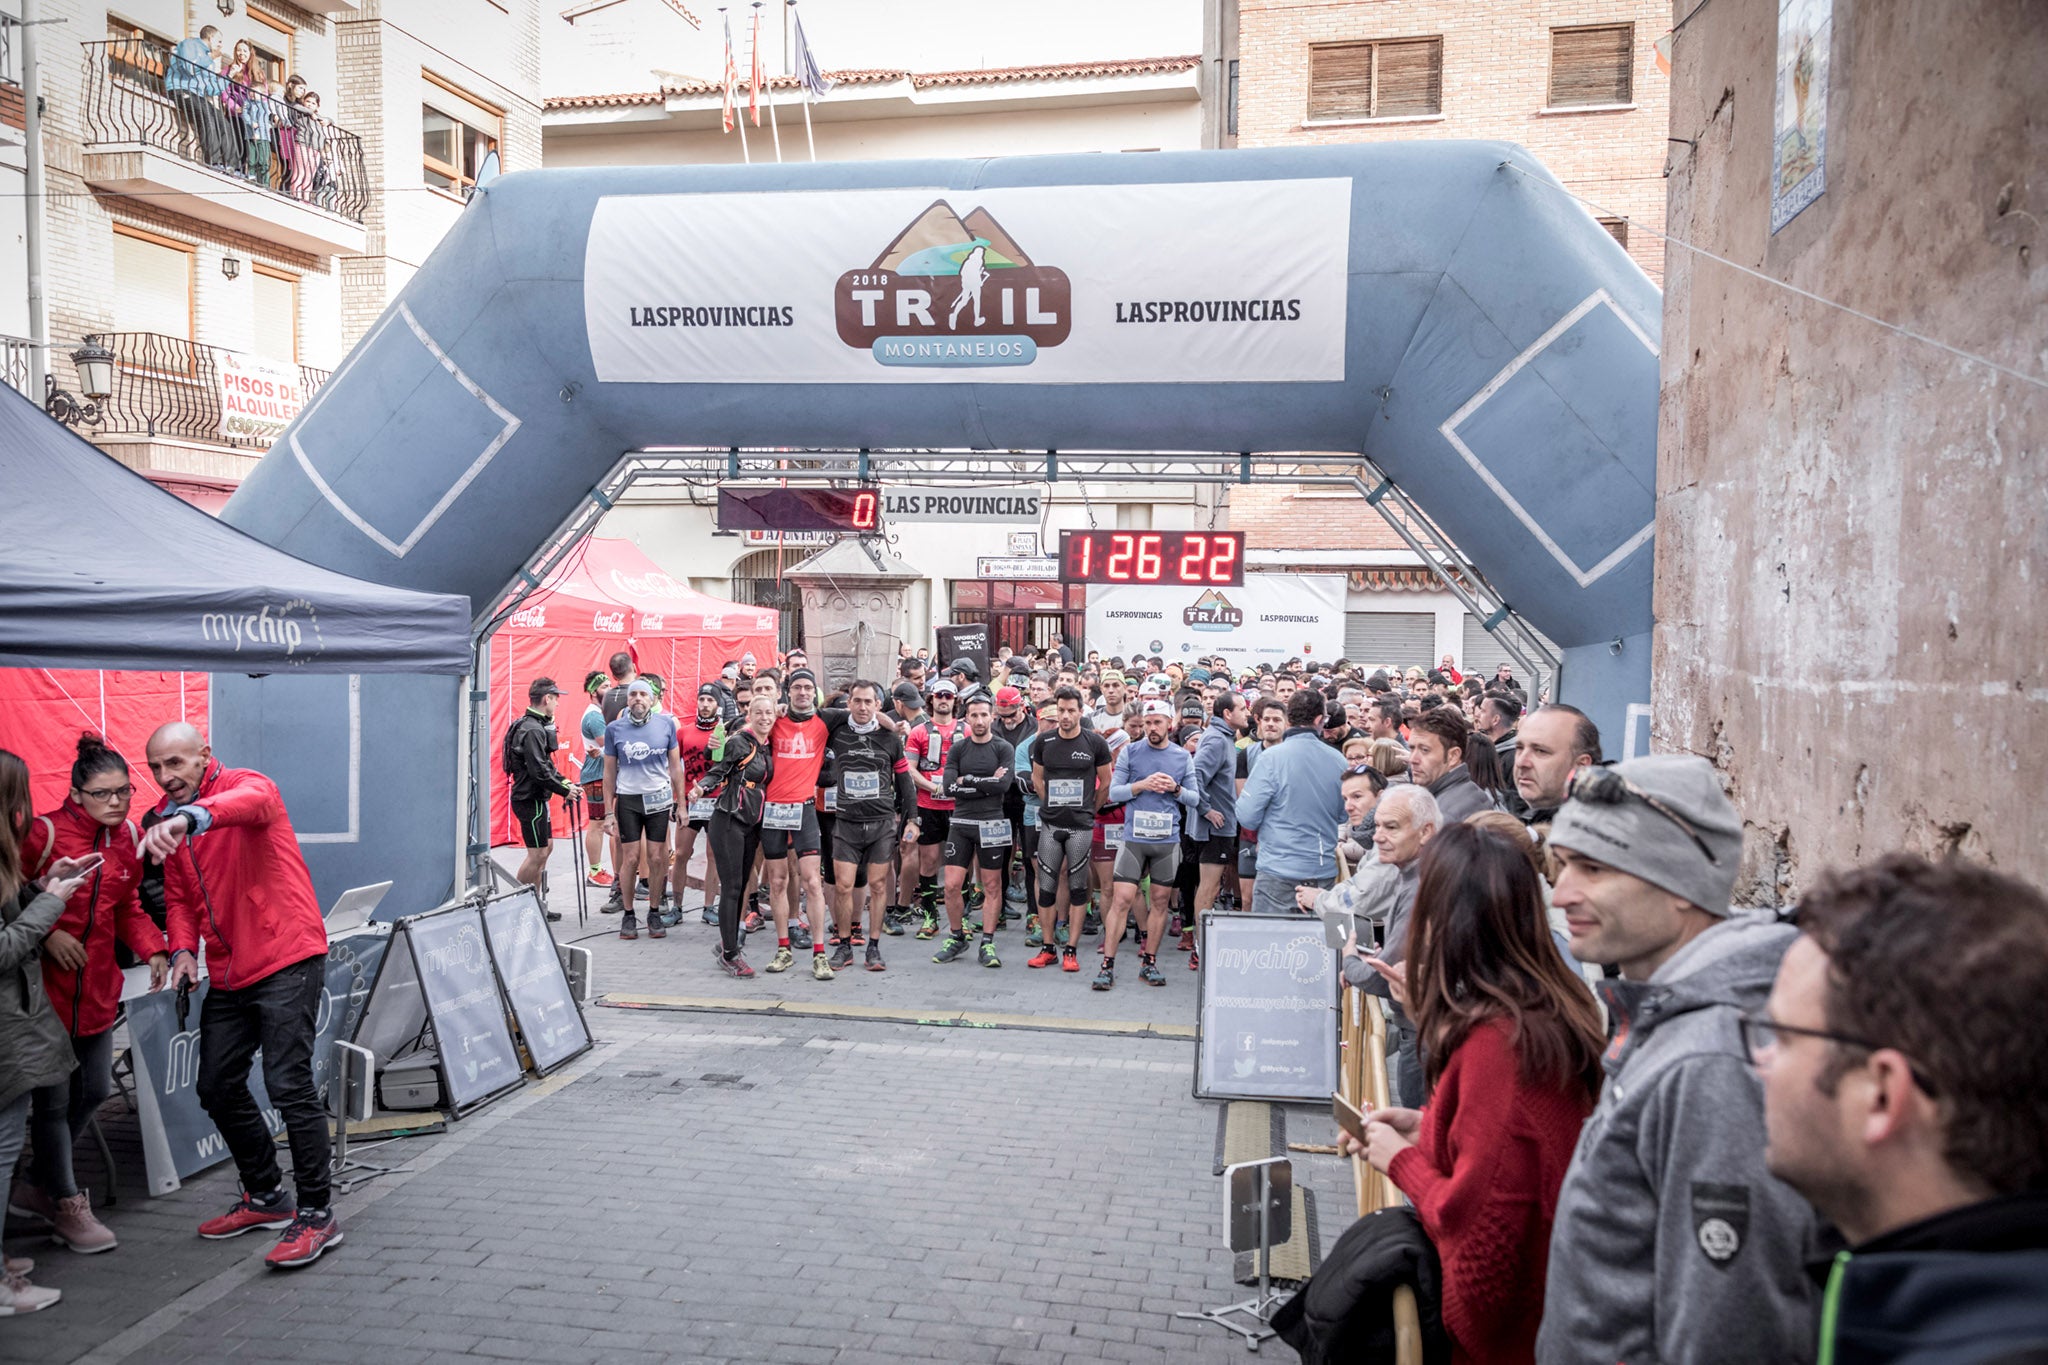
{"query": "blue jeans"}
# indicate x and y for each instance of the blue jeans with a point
(61, 1111)
(275, 1014)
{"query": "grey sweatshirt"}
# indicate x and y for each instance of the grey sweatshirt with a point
(1672, 1244)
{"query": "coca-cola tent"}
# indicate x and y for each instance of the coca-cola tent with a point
(607, 597)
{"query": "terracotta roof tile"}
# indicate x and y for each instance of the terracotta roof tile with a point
(995, 75)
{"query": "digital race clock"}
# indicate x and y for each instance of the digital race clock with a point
(856, 511)
(1208, 559)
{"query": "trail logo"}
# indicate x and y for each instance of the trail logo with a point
(1212, 611)
(953, 291)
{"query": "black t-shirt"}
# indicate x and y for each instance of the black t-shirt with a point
(1069, 766)
(970, 776)
(613, 702)
(871, 789)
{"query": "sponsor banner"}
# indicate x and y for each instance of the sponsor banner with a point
(258, 397)
(1078, 284)
(1267, 1009)
(1271, 618)
(1017, 568)
(961, 502)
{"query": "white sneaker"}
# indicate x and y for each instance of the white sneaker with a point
(17, 1295)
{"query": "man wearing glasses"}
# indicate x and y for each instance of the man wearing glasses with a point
(1904, 1068)
(1672, 1241)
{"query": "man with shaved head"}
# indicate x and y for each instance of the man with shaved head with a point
(234, 878)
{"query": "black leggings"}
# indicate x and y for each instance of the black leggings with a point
(733, 843)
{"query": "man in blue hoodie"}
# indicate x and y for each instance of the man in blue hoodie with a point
(1294, 798)
(1905, 1076)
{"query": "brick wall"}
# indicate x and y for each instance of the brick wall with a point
(1496, 66)
(1286, 517)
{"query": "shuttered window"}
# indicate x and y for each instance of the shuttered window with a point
(1393, 79)
(276, 300)
(152, 285)
(1484, 653)
(1390, 639)
(1592, 65)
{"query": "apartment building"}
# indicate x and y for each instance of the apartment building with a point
(231, 196)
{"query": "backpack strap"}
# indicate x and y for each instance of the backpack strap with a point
(49, 843)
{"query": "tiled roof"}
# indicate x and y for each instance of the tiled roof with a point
(922, 80)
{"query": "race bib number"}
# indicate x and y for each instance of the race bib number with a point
(703, 807)
(860, 786)
(783, 815)
(1152, 826)
(1064, 791)
(831, 802)
(995, 833)
(1113, 837)
(657, 801)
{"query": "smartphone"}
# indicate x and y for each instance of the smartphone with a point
(1349, 1117)
(86, 866)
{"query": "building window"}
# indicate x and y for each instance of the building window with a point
(136, 54)
(1230, 126)
(457, 132)
(1617, 228)
(1592, 66)
(275, 301)
(1400, 78)
(275, 45)
(152, 283)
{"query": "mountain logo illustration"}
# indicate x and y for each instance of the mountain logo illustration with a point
(952, 291)
(1212, 611)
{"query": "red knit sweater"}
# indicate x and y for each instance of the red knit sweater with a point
(1491, 1152)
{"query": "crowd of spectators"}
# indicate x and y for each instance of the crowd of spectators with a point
(247, 119)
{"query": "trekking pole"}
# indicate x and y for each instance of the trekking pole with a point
(578, 821)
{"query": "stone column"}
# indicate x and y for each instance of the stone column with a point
(853, 597)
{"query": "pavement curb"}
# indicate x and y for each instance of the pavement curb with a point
(978, 1019)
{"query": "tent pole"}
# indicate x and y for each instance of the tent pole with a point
(465, 766)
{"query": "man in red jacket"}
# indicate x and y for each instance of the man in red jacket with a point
(233, 875)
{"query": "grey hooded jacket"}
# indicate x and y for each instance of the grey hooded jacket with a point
(1672, 1244)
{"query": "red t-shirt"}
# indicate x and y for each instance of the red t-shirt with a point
(926, 748)
(799, 750)
(695, 742)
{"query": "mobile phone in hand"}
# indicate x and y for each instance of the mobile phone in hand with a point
(1348, 1115)
(86, 866)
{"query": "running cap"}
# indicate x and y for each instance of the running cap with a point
(1158, 708)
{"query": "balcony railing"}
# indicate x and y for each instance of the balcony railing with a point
(138, 91)
(14, 364)
(168, 386)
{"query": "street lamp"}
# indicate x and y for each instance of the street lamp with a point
(95, 366)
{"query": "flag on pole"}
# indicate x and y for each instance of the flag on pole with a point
(754, 90)
(807, 71)
(732, 78)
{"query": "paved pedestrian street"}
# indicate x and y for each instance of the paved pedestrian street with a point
(757, 1175)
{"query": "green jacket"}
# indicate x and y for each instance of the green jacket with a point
(34, 1049)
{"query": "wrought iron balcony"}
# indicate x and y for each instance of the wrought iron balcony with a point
(141, 94)
(166, 386)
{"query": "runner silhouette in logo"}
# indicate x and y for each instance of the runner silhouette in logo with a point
(973, 275)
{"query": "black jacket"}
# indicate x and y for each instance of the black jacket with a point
(741, 774)
(1345, 1312)
(1967, 1287)
(529, 746)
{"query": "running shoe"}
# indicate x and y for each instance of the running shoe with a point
(600, 877)
(1034, 932)
(1059, 935)
(1187, 940)
(929, 926)
(640, 886)
(1047, 957)
(1150, 973)
(1106, 978)
(874, 961)
(972, 897)
(273, 1211)
(799, 937)
(1092, 924)
(820, 970)
(783, 960)
(655, 927)
(711, 914)
(954, 947)
(988, 955)
(629, 927)
(1195, 961)
(842, 956)
(753, 923)
(736, 965)
(613, 904)
(1070, 961)
(305, 1241)
(860, 937)
(894, 918)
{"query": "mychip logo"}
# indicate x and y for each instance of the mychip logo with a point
(291, 628)
(953, 291)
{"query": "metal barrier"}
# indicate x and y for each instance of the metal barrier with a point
(140, 91)
(168, 386)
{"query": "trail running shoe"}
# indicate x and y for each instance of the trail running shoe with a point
(1034, 932)
(613, 904)
(1092, 924)
(1070, 961)
(1150, 973)
(1059, 935)
(874, 961)
(711, 914)
(1187, 940)
(274, 1211)
(1047, 957)
(988, 955)
(953, 948)
(1195, 961)
(894, 918)
(842, 956)
(600, 877)
(1105, 978)
(303, 1243)
(656, 924)
(799, 937)
(860, 937)
(928, 927)
(629, 927)
(820, 970)
(753, 923)
(736, 965)
(972, 897)
(783, 959)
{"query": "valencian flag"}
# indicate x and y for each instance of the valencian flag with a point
(732, 78)
(754, 90)
(807, 70)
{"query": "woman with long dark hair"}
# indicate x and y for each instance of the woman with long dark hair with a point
(83, 980)
(1482, 763)
(740, 777)
(34, 1050)
(1511, 1042)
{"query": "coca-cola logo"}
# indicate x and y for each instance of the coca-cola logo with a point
(650, 623)
(531, 618)
(714, 623)
(652, 584)
(613, 621)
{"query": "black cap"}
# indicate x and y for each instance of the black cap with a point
(908, 694)
(964, 666)
(707, 690)
(542, 687)
(1436, 676)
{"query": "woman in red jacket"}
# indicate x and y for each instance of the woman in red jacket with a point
(82, 979)
(1511, 1041)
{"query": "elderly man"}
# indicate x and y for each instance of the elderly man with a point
(1903, 1071)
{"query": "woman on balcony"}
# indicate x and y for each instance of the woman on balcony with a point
(285, 133)
(311, 179)
(246, 74)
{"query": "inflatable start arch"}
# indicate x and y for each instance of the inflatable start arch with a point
(1440, 307)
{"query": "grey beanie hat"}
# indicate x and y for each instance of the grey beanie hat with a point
(1628, 834)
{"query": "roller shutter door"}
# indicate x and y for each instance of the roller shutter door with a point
(1483, 653)
(1387, 639)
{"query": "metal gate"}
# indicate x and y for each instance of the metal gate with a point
(1390, 639)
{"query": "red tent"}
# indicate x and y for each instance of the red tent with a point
(606, 597)
(42, 711)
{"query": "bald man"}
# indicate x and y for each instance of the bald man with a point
(234, 878)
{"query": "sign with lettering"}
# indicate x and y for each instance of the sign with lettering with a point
(1061, 284)
(1267, 1010)
(1012, 569)
(460, 985)
(961, 502)
(549, 1021)
(258, 397)
(178, 1139)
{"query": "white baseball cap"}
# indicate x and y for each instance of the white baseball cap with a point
(1158, 708)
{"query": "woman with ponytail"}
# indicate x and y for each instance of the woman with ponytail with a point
(34, 1051)
(83, 980)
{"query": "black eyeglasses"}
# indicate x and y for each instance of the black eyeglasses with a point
(1606, 787)
(108, 793)
(1760, 1032)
